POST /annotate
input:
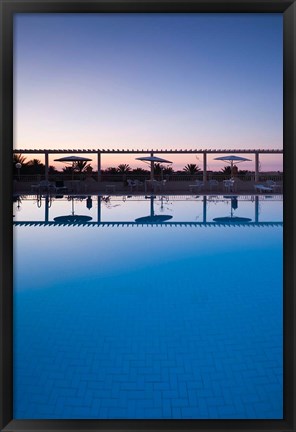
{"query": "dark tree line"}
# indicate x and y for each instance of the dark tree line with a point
(35, 166)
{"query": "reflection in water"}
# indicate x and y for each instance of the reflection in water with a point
(128, 209)
(89, 202)
(72, 218)
(256, 209)
(232, 219)
(153, 218)
(18, 200)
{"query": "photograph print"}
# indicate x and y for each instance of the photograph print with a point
(148, 216)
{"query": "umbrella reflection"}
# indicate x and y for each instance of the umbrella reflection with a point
(153, 218)
(89, 203)
(232, 218)
(72, 218)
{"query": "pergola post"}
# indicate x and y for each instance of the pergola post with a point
(99, 166)
(46, 207)
(204, 209)
(99, 209)
(204, 177)
(46, 166)
(256, 209)
(256, 167)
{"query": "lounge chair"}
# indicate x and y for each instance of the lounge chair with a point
(110, 188)
(262, 188)
(197, 185)
(138, 184)
(273, 185)
(213, 184)
(163, 184)
(131, 184)
(228, 185)
(158, 185)
(154, 185)
(60, 187)
(43, 187)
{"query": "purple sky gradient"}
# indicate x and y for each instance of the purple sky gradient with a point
(149, 81)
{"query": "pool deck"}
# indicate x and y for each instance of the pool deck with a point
(171, 188)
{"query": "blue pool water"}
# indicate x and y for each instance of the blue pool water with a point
(180, 320)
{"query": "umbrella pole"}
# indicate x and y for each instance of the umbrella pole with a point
(231, 168)
(152, 171)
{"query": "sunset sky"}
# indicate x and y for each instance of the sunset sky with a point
(149, 81)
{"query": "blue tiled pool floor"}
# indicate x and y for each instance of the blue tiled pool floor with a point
(165, 343)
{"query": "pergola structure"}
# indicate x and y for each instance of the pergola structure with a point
(100, 152)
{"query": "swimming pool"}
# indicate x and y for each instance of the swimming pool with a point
(122, 316)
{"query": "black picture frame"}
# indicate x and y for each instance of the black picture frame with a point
(7, 9)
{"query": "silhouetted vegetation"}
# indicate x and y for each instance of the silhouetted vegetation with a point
(84, 169)
(123, 168)
(226, 170)
(191, 169)
(34, 166)
(81, 166)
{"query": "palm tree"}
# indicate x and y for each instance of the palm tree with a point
(123, 168)
(52, 170)
(191, 169)
(110, 173)
(35, 166)
(34, 162)
(168, 170)
(81, 166)
(89, 169)
(140, 171)
(68, 170)
(158, 168)
(226, 170)
(111, 170)
(19, 158)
